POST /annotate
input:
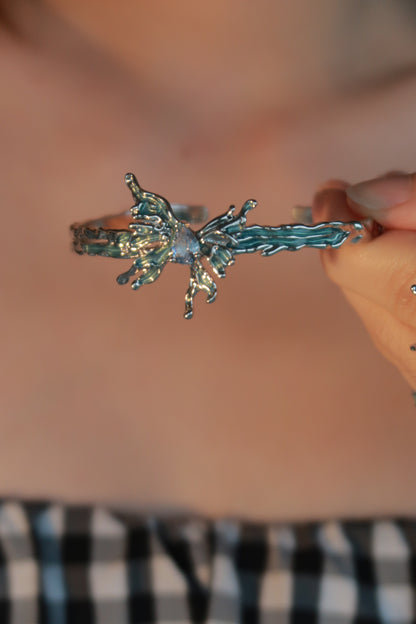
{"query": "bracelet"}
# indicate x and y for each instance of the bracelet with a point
(154, 232)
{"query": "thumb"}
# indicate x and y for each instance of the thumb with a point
(389, 199)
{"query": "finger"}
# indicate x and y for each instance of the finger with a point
(381, 270)
(331, 200)
(390, 199)
(333, 183)
(304, 214)
(395, 340)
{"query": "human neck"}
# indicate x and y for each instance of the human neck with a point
(219, 66)
(208, 58)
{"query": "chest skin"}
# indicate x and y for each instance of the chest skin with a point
(272, 404)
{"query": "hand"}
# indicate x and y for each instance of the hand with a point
(376, 277)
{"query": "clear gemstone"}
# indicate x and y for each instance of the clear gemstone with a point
(185, 246)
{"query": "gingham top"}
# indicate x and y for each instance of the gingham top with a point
(74, 564)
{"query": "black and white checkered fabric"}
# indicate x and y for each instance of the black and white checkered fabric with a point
(73, 564)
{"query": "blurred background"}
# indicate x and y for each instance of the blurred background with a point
(272, 403)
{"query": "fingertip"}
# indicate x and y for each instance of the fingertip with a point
(324, 197)
(390, 199)
(333, 183)
(329, 204)
(321, 208)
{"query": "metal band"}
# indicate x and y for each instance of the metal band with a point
(153, 233)
(106, 236)
(183, 212)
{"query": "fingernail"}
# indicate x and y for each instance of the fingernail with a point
(302, 214)
(381, 193)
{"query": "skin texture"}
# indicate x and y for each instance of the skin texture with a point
(271, 404)
(376, 281)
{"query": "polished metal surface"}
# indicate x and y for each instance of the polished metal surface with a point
(154, 232)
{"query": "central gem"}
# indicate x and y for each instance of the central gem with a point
(185, 246)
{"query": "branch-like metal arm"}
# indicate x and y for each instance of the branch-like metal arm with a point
(154, 235)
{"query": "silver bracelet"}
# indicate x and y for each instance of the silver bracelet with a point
(154, 232)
